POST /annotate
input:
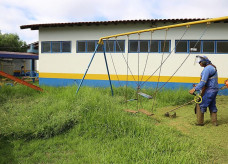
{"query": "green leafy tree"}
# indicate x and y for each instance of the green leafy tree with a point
(12, 42)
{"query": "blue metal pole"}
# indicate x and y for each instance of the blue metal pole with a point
(107, 69)
(87, 68)
(32, 66)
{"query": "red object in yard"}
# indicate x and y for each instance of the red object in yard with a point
(20, 81)
(226, 83)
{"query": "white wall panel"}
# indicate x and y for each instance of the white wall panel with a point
(77, 62)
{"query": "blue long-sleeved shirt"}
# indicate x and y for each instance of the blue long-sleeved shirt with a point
(209, 78)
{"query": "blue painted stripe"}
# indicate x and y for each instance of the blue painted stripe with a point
(19, 56)
(56, 82)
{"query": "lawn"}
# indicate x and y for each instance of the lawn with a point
(57, 126)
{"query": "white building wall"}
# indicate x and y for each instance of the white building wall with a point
(76, 63)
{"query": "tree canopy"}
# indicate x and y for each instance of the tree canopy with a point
(11, 42)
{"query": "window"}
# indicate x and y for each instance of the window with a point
(45, 47)
(91, 46)
(110, 46)
(56, 47)
(86, 46)
(188, 46)
(181, 46)
(133, 46)
(136, 46)
(154, 46)
(66, 46)
(143, 46)
(100, 48)
(203, 46)
(120, 46)
(222, 46)
(165, 46)
(208, 46)
(114, 45)
(81, 46)
(195, 46)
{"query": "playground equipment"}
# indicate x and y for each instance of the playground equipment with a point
(20, 81)
(141, 79)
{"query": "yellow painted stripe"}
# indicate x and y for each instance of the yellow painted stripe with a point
(177, 79)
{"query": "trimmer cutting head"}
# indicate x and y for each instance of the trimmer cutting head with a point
(171, 115)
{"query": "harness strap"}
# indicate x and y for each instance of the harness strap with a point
(211, 77)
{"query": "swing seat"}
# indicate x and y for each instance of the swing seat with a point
(132, 99)
(145, 112)
(145, 95)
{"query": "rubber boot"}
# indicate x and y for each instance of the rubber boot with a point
(200, 116)
(214, 118)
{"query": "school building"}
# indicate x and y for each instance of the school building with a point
(167, 55)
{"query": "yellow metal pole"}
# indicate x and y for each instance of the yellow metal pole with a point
(165, 27)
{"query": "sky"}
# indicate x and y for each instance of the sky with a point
(14, 13)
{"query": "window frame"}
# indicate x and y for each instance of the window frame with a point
(42, 51)
(61, 46)
(115, 46)
(96, 42)
(149, 49)
(52, 42)
(176, 41)
(202, 44)
(158, 46)
(216, 46)
(192, 52)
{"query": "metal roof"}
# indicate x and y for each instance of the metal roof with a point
(37, 26)
(35, 44)
(18, 55)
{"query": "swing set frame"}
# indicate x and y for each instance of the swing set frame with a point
(101, 42)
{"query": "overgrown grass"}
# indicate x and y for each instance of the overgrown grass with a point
(58, 126)
(30, 114)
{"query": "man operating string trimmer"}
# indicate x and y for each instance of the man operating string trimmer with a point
(209, 88)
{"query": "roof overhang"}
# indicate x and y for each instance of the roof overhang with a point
(37, 26)
(18, 55)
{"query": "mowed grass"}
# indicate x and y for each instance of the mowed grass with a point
(57, 126)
